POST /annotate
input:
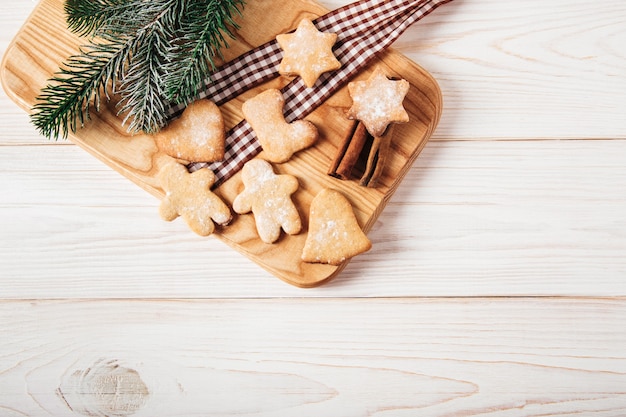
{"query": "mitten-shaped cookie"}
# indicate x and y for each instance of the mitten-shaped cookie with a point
(189, 196)
(268, 196)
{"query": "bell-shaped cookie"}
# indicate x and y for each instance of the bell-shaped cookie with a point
(334, 232)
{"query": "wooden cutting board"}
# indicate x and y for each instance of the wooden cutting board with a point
(44, 43)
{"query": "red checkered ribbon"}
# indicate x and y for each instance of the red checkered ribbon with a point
(363, 29)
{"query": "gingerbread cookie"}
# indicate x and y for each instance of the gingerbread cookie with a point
(307, 52)
(268, 196)
(334, 232)
(196, 136)
(189, 195)
(279, 139)
(377, 102)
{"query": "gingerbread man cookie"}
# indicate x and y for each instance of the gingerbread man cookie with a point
(377, 102)
(307, 52)
(279, 139)
(334, 232)
(189, 196)
(268, 196)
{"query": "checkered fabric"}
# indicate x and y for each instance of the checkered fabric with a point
(364, 29)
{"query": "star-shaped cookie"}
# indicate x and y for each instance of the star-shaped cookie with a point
(307, 52)
(377, 102)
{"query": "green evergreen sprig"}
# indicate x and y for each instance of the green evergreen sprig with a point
(203, 27)
(148, 52)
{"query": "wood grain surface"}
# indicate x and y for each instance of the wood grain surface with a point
(496, 286)
(470, 219)
(340, 358)
(31, 60)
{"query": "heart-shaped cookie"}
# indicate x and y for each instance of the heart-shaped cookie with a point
(196, 136)
(334, 232)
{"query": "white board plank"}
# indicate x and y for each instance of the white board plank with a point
(471, 219)
(525, 69)
(339, 358)
(507, 69)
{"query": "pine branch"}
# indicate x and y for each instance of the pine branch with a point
(147, 52)
(65, 102)
(138, 16)
(143, 98)
(86, 17)
(203, 33)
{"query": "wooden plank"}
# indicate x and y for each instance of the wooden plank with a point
(472, 219)
(19, 130)
(401, 357)
(31, 60)
(519, 70)
(511, 70)
(507, 70)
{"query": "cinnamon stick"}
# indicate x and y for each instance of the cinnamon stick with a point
(357, 142)
(377, 159)
(349, 151)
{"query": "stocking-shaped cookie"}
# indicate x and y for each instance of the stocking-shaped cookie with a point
(268, 196)
(189, 196)
(334, 232)
(279, 139)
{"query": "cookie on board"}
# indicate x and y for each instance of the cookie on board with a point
(307, 52)
(196, 136)
(334, 232)
(190, 196)
(377, 102)
(278, 138)
(268, 196)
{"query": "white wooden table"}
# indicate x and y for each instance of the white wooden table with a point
(496, 285)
